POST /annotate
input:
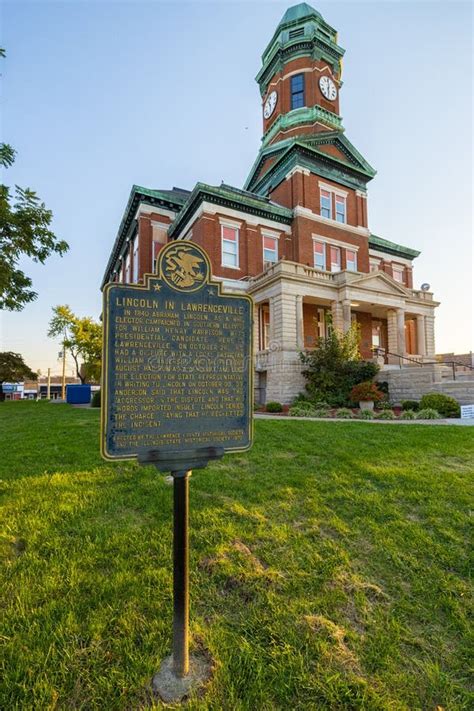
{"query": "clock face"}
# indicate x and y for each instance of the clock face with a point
(328, 88)
(270, 104)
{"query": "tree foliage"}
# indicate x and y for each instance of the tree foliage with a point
(13, 368)
(335, 366)
(24, 231)
(82, 337)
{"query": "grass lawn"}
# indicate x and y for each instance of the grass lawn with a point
(329, 568)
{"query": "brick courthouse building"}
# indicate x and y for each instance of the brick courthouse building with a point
(296, 237)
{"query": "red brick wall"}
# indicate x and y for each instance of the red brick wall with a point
(365, 322)
(207, 233)
(303, 231)
(313, 93)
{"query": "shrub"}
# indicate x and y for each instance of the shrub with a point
(386, 415)
(274, 407)
(334, 367)
(345, 413)
(410, 405)
(96, 399)
(446, 406)
(365, 415)
(383, 387)
(428, 414)
(365, 391)
(408, 415)
(303, 405)
(321, 405)
(321, 412)
(384, 405)
(298, 411)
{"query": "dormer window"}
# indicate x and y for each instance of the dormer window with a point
(297, 91)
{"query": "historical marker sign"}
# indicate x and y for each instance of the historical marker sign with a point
(177, 363)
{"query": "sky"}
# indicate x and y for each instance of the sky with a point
(97, 96)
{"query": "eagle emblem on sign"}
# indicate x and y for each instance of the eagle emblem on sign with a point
(183, 266)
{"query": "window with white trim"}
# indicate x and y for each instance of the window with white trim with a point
(270, 249)
(340, 208)
(319, 249)
(335, 258)
(325, 203)
(321, 323)
(351, 260)
(135, 260)
(398, 274)
(230, 246)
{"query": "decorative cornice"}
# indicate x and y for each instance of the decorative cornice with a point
(233, 198)
(398, 250)
(168, 200)
(297, 117)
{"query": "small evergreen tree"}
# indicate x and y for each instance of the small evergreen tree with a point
(335, 366)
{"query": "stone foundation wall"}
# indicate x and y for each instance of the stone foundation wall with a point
(412, 383)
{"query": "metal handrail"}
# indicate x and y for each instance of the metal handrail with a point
(452, 363)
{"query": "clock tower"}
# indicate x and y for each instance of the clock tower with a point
(300, 78)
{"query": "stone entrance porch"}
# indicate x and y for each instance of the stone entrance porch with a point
(292, 302)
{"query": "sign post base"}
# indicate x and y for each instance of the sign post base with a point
(179, 674)
(171, 688)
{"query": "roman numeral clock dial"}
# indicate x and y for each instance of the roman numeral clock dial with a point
(270, 104)
(328, 88)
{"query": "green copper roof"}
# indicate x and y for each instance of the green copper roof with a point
(234, 198)
(397, 250)
(302, 31)
(298, 12)
(353, 170)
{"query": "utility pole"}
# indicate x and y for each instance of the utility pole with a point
(48, 387)
(63, 388)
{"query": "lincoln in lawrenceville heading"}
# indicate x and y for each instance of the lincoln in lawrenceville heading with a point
(296, 237)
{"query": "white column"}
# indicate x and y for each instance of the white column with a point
(430, 336)
(401, 331)
(299, 322)
(420, 335)
(271, 325)
(337, 318)
(346, 315)
(284, 331)
(392, 345)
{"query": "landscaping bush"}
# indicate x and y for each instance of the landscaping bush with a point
(408, 415)
(385, 415)
(428, 414)
(384, 405)
(321, 405)
(365, 415)
(335, 366)
(322, 412)
(366, 391)
(345, 413)
(96, 399)
(298, 411)
(412, 405)
(303, 405)
(274, 407)
(446, 406)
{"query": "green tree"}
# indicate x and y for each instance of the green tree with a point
(24, 231)
(13, 368)
(335, 366)
(82, 337)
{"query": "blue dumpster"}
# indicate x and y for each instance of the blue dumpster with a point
(78, 394)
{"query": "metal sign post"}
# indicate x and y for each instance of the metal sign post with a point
(177, 393)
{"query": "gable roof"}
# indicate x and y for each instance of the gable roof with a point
(232, 197)
(352, 170)
(380, 281)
